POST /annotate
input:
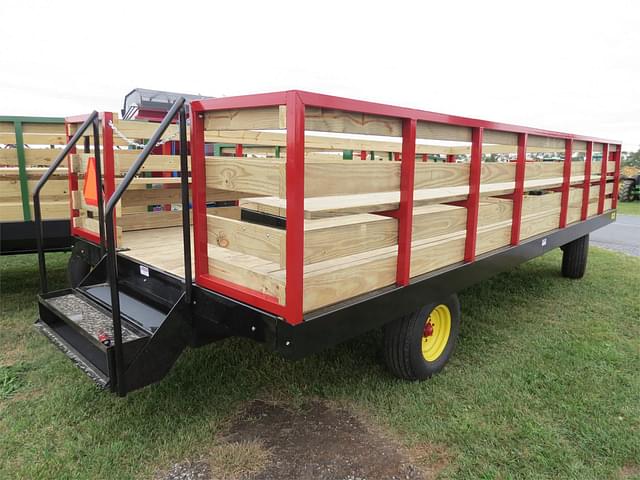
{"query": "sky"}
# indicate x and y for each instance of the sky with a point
(566, 66)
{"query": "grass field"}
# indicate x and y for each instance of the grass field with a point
(629, 208)
(544, 384)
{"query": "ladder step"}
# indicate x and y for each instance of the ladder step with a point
(90, 319)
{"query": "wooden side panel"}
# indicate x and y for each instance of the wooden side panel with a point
(338, 121)
(263, 118)
(256, 176)
(432, 175)
(442, 131)
(258, 240)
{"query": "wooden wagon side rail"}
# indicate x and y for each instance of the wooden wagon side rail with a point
(354, 227)
(30, 147)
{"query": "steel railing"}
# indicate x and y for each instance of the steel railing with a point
(92, 119)
(112, 265)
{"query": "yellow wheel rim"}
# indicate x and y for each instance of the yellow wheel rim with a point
(437, 328)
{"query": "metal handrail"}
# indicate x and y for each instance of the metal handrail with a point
(112, 265)
(92, 119)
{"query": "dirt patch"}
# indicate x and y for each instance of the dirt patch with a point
(319, 442)
(275, 441)
(629, 471)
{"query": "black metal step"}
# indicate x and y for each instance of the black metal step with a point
(141, 313)
(83, 330)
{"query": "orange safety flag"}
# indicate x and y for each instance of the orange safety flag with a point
(89, 190)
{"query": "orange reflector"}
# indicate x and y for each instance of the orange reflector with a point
(89, 189)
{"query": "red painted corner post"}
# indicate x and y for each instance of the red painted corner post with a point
(616, 178)
(198, 194)
(405, 210)
(294, 288)
(73, 179)
(603, 177)
(473, 202)
(586, 184)
(566, 182)
(109, 170)
(518, 191)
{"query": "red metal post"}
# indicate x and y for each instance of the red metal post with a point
(616, 177)
(295, 209)
(72, 176)
(199, 194)
(451, 158)
(405, 210)
(603, 177)
(473, 201)
(109, 170)
(239, 151)
(518, 191)
(566, 182)
(586, 184)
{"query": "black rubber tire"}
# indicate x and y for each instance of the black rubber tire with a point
(77, 269)
(403, 342)
(574, 257)
(625, 193)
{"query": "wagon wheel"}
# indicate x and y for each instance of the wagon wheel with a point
(420, 344)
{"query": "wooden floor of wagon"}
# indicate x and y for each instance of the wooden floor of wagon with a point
(161, 248)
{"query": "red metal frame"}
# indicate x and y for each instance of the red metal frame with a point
(296, 101)
(405, 210)
(586, 184)
(566, 182)
(518, 191)
(473, 200)
(616, 178)
(603, 177)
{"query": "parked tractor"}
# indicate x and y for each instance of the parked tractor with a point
(629, 188)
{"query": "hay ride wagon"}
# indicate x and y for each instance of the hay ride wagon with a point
(28, 145)
(342, 216)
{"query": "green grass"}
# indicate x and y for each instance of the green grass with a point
(544, 384)
(629, 208)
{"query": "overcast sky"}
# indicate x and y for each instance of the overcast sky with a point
(568, 66)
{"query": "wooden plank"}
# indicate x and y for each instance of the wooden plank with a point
(262, 118)
(137, 129)
(149, 220)
(442, 131)
(492, 237)
(316, 142)
(534, 204)
(541, 170)
(548, 142)
(33, 156)
(151, 196)
(339, 121)
(154, 163)
(258, 240)
(35, 139)
(246, 270)
(258, 176)
(318, 207)
(493, 211)
(497, 172)
(539, 223)
(500, 138)
(429, 174)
